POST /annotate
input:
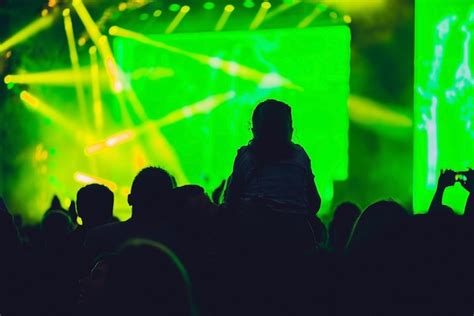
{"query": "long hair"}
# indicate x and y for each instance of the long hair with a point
(272, 131)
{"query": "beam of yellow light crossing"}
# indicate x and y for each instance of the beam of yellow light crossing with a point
(368, 112)
(228, 9)
(88, 179)
(27, 32)
(262, 12)
(281, 9)
(309, 18)
(75, 64)
(200, 107)
(65, 77)
(96, 96)
(264, 80)
(102, 44)
(177, 19)
(37, 105)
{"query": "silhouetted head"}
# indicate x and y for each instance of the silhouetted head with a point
(151, 192)
(55, 227)
(382, 226)
(272, 128)
(95, 204)
(342, 223)
(147, 278)
(191, 201)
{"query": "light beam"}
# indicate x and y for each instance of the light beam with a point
(264, 80)
(27, 32)
(262, 12)
(228, 9)
(75, 64)
(177, 19)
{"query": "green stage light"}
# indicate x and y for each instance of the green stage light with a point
(174, 7)
(444, 104)
(209, 5)
(143, 16)
(249, 4)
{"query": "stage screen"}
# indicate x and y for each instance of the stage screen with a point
(444, 98)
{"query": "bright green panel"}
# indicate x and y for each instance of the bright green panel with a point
(255, 66)
(444, 97)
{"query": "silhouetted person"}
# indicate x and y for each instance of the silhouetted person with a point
(150, 201)
(10, 252)
(272, 168)
(55, 265)
(341, 225)
(147, 278)
(92, 294)
(95, 204)
(379, 259)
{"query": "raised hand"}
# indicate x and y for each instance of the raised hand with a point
(468, 181)
(446, 178)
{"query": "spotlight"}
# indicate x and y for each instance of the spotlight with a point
(209, 5)
(174, 7)
(177, 19)
(228, 9)
(262, 12)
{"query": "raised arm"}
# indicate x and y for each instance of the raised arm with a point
(446, 179)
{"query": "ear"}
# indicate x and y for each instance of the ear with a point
(130, 199)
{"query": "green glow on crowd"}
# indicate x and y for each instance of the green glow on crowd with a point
(444, 97)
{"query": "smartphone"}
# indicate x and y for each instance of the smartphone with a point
(459, 177)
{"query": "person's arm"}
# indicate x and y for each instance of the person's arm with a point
(446, 179)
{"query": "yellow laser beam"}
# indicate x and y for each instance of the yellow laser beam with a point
(264, 80)
(88, 179)
(102, 44)
(96, 97)
(75, 63)
(228, 9)
(281, 9)
(177, 19)
(37, 105)
(309, 18)
(262, 12)
(65, 77)
(27, 32)
(200, 107)
(368, 112)
(59, 77)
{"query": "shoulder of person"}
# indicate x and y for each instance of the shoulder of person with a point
(98, 233)
(243, 150)
(300, 151)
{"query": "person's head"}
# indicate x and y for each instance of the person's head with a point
(382, 226)
(56, 225)
(151, 190)
(145, 277)
(342, 223)
(95, 204)
(191, 201)
(272, 122)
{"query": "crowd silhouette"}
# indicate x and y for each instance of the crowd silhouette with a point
(255, 247)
